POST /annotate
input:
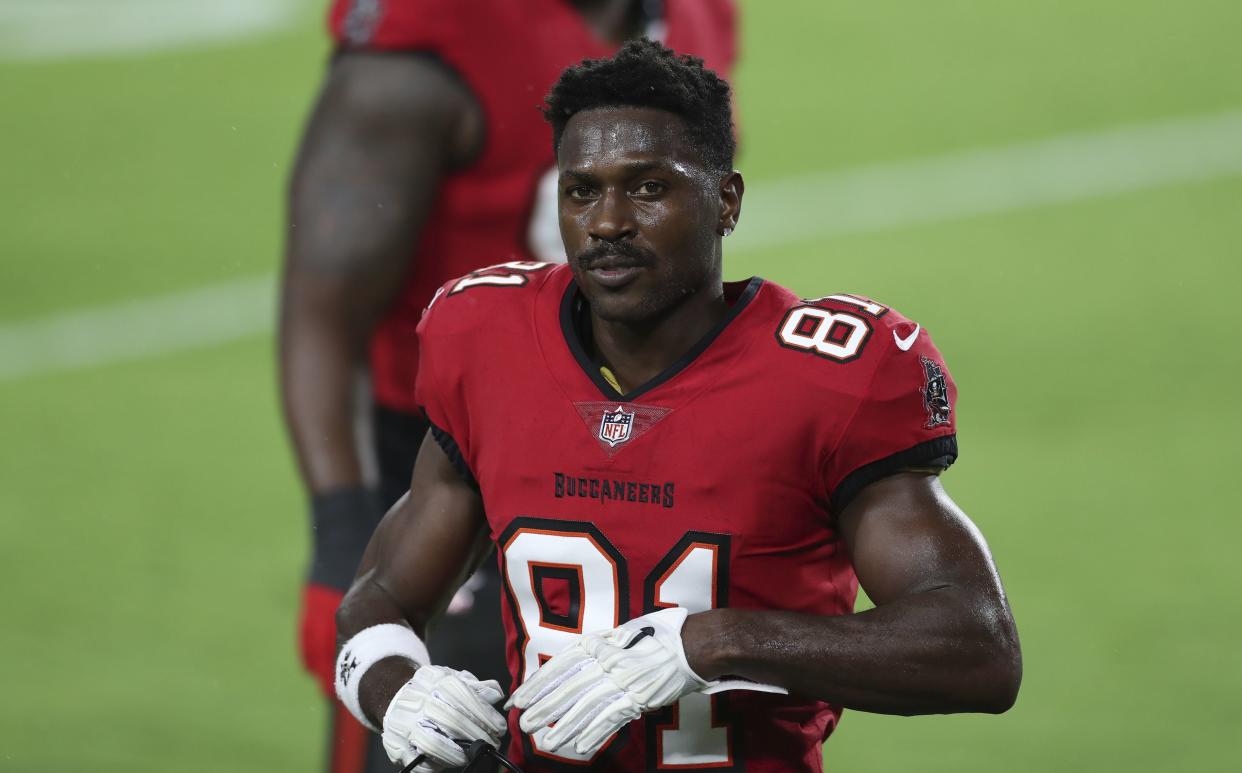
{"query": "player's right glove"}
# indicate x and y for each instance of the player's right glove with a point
(435, 710)
(607, 679)
(341, 525)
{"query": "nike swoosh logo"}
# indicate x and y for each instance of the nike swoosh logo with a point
(904, 344)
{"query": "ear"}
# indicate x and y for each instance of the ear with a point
(731, 189)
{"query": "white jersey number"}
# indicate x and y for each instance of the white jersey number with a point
(835, 335)
(694, 575)
(593, 580)
(838, 335)
(512, 274)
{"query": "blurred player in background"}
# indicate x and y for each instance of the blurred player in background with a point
(423, 159)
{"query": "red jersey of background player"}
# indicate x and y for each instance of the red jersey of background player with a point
(488, 211)
(715, 484)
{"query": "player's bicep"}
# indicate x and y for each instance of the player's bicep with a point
(384, 130)
(907, 536)
(430, 540)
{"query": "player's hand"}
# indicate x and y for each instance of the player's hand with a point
(604, 680)
(317, 633)
(433, 711)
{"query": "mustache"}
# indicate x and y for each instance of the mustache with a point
(630, 253)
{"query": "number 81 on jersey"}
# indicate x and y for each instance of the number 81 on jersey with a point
(564, 578)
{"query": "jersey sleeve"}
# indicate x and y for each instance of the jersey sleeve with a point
(459, 347)
(438, 387)
(905, 418)
(407, 25)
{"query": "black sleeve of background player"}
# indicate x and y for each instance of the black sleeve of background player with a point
(450, 448)
(935, 454)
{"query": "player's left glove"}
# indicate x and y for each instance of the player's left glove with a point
(606, 679)
(435, 712)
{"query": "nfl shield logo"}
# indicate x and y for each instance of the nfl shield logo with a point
(615, 427)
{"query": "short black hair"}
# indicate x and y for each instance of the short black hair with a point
(646, 74)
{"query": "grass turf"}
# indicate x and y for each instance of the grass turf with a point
(151, 533)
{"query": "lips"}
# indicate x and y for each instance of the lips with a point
(614, 271)
(614, 278)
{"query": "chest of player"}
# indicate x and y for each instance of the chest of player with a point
(717, 489)
(606, 510)
(710, 463)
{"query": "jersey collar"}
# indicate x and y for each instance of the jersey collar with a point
(573, 307)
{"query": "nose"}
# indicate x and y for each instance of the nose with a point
(612, 217)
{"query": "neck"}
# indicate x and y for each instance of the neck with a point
(637, 353)
(613, 20)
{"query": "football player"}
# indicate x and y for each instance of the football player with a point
(423, 160)
(686, 481)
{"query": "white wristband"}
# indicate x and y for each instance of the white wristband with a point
(364, 650)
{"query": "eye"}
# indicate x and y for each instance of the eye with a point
(580, 193)
(650, 188)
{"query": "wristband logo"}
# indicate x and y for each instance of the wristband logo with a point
(349, 664)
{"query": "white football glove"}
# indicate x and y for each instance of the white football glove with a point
(605, 680)
(436, 708)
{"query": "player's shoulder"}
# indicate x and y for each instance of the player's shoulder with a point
(406, 24)
(840, 329)
(491, 298)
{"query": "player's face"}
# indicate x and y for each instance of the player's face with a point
(639, 213)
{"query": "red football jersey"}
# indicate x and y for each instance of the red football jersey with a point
(714, 484)
(509, 54)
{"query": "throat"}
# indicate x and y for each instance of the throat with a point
(630, 356)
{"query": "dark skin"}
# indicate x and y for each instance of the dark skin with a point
(941, 638)
(384, 132)
(641, 218)
(612, 20)
(427, 545)
(385, 129)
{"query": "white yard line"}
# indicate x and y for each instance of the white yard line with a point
(70, 29)
(1059, 169)
(136, 329)
(983, 181)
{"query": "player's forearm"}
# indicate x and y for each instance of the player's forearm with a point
(939, 651)
(319, 363)
(367, 604)
(365, 182)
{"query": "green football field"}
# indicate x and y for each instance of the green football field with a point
(1054, 189)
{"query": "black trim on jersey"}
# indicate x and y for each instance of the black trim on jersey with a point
(661, 718)
(576, 326)
(539, 574)
(454, 454)
(577, 528)
(675, 553)
(937, 453)
(784, 344)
